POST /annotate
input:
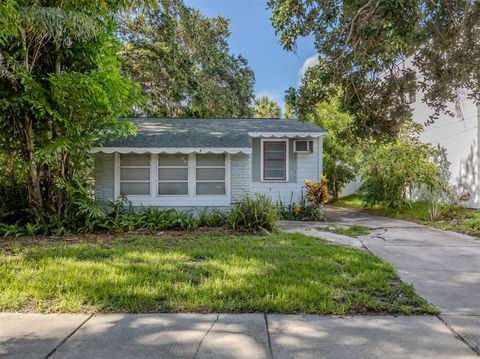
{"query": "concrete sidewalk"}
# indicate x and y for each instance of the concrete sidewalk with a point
(443, 266)
(242, 336)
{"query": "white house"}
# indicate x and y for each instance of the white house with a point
(458, 136)
(188, 163)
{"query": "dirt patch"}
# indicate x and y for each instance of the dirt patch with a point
(7, 244)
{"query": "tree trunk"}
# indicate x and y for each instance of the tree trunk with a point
(335, 179)
(35, 199)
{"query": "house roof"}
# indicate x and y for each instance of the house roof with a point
(208, 132)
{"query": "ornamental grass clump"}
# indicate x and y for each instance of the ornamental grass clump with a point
(253, 214)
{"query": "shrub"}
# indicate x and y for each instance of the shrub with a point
(253, 214)
(317, 193)
(299, 212)
(391, 169)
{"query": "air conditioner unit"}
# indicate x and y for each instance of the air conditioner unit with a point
(302, 146)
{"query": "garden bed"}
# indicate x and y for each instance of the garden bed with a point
(200, 272)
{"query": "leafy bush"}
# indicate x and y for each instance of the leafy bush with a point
(392, 169)
(299, 211)
(253, 214)
(317, 193)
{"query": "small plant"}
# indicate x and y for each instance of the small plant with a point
(317, 193)
(352, 231)
(299, 211)
(253, 214)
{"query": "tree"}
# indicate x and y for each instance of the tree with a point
(61, 90)
(264, 107)
(340, 146)
(183, 62)
(362, 46)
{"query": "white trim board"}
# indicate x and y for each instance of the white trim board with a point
(286, 134)
(171, 150)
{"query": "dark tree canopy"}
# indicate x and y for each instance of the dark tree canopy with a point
(183, 62)
(362, 46)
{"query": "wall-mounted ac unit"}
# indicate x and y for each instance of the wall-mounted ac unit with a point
(302, 146)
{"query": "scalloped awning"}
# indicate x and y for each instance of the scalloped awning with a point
(171, 150)
(285, 134)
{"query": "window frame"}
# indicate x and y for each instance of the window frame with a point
(262, 159)
(190, 200)
(157, 181)
(120, 181)
(225, 178)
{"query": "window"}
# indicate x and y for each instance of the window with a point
(302, 146)
(173, 174)
(210, 174)
(135, 174)
(275, 160)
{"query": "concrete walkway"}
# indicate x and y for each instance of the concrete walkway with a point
(443, 266)
(243, 336)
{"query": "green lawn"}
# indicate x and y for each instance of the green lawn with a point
(284, 273)
(452, 218)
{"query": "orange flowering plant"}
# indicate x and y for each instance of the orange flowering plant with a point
(317, 193)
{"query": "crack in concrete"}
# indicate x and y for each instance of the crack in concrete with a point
(201, 341)
(269, 341)
(475, 348)
(67, 337)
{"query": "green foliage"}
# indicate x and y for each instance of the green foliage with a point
(61, 91)
(340, 145)
(352, 231)
(392, 168)
(253, 214)
(302, 211)
(183, 62)
(361, 43)
(264, 107)
(284, 273)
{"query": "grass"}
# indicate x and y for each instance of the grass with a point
(352, 231)
(453, 218)
(283, 273)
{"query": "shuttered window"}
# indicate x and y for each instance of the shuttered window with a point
(173, 174)
(210, 174)
(134, 174)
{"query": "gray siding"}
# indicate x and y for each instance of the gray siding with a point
(240, 174)
(104, 174)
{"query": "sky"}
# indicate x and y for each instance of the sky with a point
(253, 37)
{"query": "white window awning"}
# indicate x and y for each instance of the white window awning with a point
(171, 150)
(286, 134)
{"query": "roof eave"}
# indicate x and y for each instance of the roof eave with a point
(171, 150)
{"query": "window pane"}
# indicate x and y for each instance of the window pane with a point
(168, 174)
(274, 155)
(301, 145)
(135, 174)
(211, 160)
(172, 188)
(134, 188)
(274, 165)
(274, 146)
(206, 174)
(214, 188)
(135, 160)
(275, 174)
(173, 160)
